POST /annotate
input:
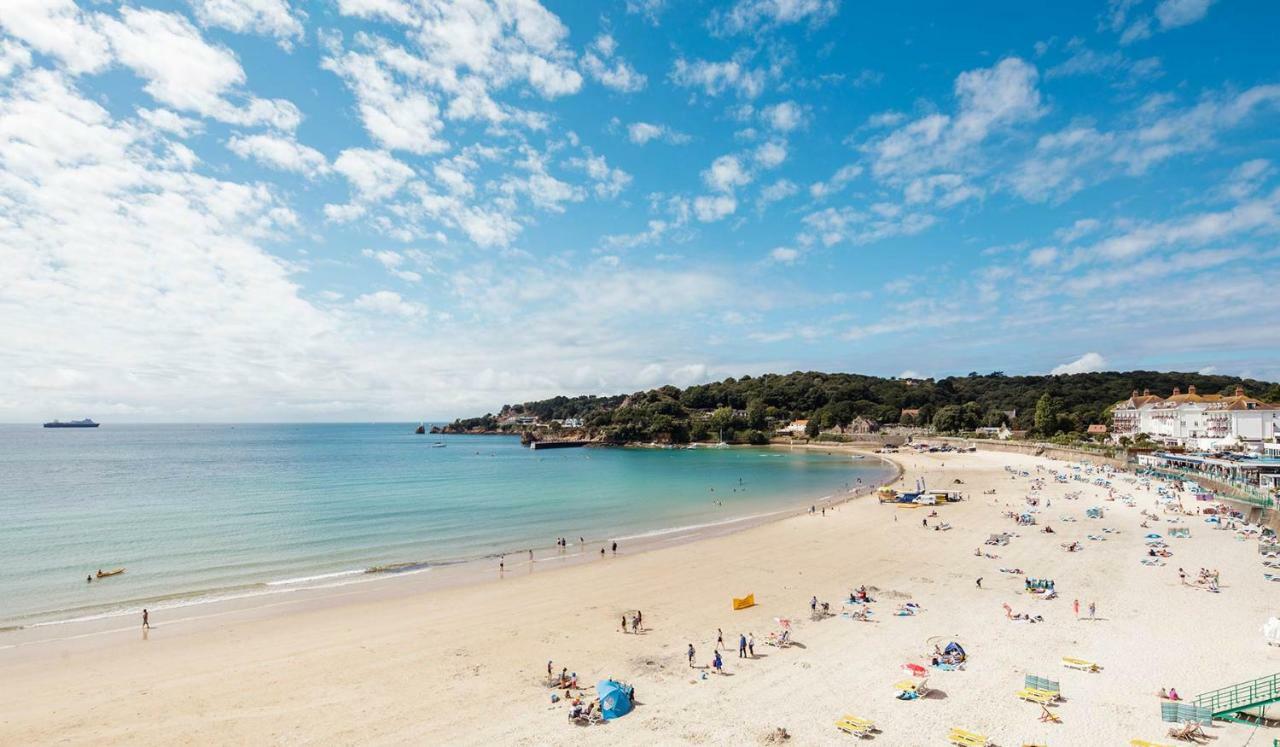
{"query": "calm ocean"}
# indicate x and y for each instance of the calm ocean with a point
(208, 511)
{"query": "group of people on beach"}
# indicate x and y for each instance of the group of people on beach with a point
(635, 621)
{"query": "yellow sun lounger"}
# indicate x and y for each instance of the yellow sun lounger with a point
(858, 727)
(1043, 697)
(1080, 664)
(1144, 743)
(963, 738)
(744, 602)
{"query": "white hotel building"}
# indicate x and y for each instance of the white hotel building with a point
(1197, 421)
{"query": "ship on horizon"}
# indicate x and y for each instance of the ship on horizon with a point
(86, 423)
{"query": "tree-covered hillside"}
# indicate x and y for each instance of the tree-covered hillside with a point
(747, 408)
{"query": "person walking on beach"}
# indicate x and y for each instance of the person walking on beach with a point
(691, 655)
(624, 623)
(1093, 611)
(719, 638)
(146, 619)
(742, 646)
(751, 645)
(979, 582)
(1075, 606)
(639, 619)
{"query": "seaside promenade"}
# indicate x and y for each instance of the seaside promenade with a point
(468, 665)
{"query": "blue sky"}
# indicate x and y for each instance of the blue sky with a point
(361, 209)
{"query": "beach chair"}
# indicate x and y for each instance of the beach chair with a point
(1048, 716)
(963, 738)
(1035, 696)
(1188, 732)
(1081, 664)
(912, 689)
(858, 727)
(1043, 684)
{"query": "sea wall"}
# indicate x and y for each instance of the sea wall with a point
(1051, 451)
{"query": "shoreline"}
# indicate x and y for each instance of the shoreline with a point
(418, 577)
(467, 664)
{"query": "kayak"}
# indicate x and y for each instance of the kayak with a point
(116, 572)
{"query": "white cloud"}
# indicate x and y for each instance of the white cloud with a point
(785, 117)
(784, 255)
(269, 17)
(607, 182)
(394, 263)
(770, 155)
(389, 303)
(1087, 363)
(715, 78)
(1042, 257)
(843, 175)
(394, 115)
(1169, 14)
(725, 174)
(1077, 230)
(374, 174)
(711, 208)
(280, 152)
(186, 72)
(944, 190)
(58, 28)
(602, 64)
(641, 133)
(12, 57)
(776, 192)
(833, 226)
(755, 15)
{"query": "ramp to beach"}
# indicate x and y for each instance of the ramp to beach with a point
(1228, 703)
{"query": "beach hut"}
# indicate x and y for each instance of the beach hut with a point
(615, 699)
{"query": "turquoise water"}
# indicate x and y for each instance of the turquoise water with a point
(216, 510)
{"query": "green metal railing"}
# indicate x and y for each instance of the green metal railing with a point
(1226, 701)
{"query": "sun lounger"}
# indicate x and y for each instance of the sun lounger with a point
(858, 727)
(1081, 664)
(1048, 716)
(963, 738)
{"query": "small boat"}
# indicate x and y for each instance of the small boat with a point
(115, 572)
(439, 445)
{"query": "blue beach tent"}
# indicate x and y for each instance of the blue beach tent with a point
(615, 701)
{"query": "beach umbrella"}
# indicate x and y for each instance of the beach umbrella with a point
(615, 701)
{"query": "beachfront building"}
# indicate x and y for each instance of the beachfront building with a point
(1258, 477)
(1197, 421)
(794, 428)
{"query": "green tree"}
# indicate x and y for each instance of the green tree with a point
(812, 428)
(757, 416)
(1046, 415)
(949, 419)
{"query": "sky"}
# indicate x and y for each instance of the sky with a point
(273, 210)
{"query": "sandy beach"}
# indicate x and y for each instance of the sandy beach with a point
(467, 664)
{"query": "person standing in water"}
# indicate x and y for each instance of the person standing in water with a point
(146, 619)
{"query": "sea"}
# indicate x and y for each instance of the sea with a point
(199, 513)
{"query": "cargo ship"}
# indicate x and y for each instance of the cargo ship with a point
(86, 423)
